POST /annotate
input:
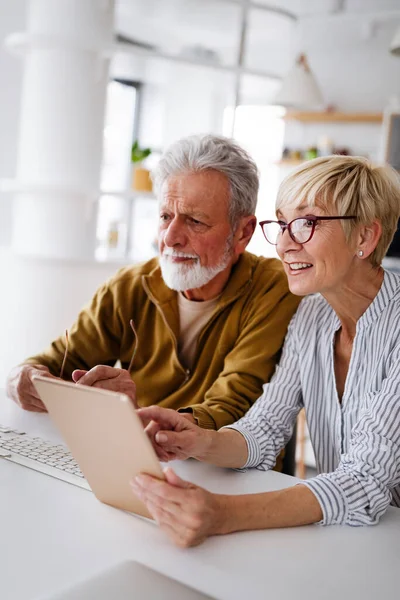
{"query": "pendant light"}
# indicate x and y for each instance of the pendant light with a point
(395, 45)
(299, 88)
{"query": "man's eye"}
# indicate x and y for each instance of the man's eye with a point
(164, 217)
(195, 221)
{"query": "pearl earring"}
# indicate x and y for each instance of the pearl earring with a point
(360, 253)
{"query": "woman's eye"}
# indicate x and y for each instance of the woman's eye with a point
(309, 223)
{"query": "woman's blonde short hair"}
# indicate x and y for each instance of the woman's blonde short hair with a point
(347, 185)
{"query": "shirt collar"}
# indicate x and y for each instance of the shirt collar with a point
(389, 288)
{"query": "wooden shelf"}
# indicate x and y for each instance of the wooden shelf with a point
(290, 162)
(333, 117)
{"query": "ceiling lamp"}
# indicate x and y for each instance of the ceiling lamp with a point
(299, 88)
(395, 45)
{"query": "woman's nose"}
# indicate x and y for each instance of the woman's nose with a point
(285, 243)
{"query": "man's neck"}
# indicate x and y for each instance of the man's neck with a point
(212, 289)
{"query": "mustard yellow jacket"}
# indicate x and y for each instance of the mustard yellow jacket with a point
(237, 349)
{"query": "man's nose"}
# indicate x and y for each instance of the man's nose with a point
(175, 234)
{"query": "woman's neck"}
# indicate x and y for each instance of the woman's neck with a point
(354, 296)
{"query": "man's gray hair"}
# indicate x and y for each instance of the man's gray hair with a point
(198, 153)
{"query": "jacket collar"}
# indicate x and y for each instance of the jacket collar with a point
(167, 300)
(239, 280)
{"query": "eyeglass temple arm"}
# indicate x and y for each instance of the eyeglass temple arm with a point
(65, 354)
(136, 345)
(67, 343)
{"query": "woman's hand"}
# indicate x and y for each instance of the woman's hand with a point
(187, 513)
(107, 378)
(173, 435)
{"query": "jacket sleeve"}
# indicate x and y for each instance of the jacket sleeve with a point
(252, 360)
(94, 338)
(268, 425)
(359, 490)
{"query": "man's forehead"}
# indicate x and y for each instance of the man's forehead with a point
(197, 183)
(184, 206)
(203, 193)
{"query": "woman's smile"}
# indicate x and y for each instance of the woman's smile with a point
(296, 268)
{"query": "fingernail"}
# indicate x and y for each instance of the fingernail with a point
(161, 438)
(139, 480)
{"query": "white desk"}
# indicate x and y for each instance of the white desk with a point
(52, 534)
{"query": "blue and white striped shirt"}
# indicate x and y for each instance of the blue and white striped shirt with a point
(356, 442)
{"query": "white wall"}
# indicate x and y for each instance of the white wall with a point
(196, 99)
(64, 286)
(177, 99)
(39, 298)
(353, 65)
(12, 19)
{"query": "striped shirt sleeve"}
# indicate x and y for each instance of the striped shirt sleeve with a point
(358, 492)
(268, 425)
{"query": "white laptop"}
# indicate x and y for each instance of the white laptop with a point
(129, 581)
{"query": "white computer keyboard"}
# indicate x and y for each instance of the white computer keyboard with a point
(40, 455)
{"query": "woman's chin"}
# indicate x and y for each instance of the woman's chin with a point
(302, 286)
(301, 290)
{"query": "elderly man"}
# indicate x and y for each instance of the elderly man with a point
(198, 329)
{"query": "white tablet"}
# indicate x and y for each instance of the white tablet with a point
(105, 436)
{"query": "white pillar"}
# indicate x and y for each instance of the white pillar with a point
(66, 52)
(50, 271)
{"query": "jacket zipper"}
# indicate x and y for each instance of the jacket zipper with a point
(175, 341)
(202, 333)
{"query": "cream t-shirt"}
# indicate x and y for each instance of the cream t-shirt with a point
(192, 318)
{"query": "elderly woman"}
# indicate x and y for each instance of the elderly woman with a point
(336, 217)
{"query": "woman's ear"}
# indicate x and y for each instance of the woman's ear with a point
(368, 239)
(244, 233)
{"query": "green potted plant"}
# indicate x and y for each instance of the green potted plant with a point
(141, 176)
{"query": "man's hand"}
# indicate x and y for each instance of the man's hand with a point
(173, 435)
(187, 513)
(20, 387)
(107, 378)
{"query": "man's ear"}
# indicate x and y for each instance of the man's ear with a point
(244, 233)
(369, 237)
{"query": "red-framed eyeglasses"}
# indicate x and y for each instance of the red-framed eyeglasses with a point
(300, 229)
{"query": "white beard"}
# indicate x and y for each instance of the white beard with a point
(181, 277)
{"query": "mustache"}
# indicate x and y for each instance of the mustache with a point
(177, 254)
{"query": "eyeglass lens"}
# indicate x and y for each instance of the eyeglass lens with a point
(301, 230)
